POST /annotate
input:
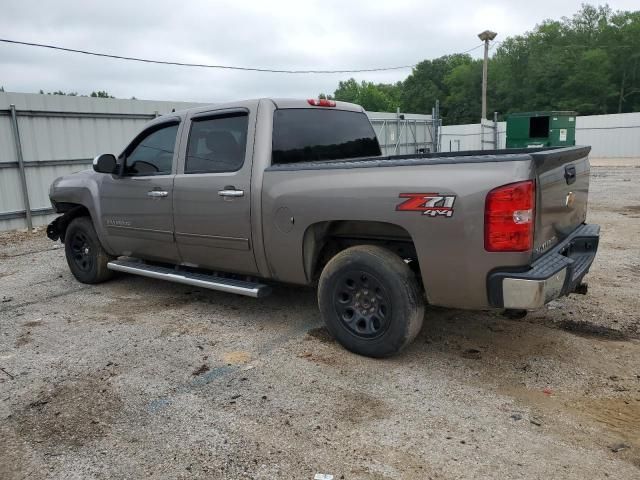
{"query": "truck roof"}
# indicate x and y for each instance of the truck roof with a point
(278, 102)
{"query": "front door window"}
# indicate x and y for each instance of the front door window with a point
(153, 155)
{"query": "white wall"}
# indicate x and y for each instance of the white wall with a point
(610, 136)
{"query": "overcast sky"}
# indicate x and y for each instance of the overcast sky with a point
(327, 34)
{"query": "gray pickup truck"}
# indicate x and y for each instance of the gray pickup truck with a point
(235, 197)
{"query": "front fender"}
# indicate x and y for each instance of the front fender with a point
(81, 189)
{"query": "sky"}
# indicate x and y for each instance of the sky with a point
(278, 34)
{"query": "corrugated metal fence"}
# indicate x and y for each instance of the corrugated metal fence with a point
(403, 133)
(59, 135)
(456, 138)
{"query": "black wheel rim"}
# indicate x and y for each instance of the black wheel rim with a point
(81, 251)
(362, 304)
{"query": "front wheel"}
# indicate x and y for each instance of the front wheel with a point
(370, 301)
(86, 258)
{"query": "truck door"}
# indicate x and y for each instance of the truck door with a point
(212, 208)
(136, 207)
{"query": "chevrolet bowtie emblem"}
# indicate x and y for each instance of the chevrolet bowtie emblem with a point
(570, 199)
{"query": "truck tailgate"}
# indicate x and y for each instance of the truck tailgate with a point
(562, 177)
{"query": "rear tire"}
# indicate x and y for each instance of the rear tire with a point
(370, 301)
(86, 258)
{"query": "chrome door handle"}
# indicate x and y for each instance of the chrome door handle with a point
(231, 193)
(157, 193)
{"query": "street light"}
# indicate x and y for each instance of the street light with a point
(485, 36)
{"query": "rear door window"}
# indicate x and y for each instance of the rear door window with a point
(217, 144)
(309, 135)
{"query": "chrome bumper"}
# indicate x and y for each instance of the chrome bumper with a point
(557, 273)
(518, 293)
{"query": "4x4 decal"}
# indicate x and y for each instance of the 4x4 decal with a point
(432, 204)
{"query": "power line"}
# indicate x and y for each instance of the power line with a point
(472, 49)
(201, 65)
(204, 65)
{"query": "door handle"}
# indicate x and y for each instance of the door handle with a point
(231, 193)
(157, 193)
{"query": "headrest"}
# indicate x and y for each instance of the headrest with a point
(221, 142)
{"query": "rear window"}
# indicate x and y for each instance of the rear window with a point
(309, 135)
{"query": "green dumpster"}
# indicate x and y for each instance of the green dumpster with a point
(541, 129)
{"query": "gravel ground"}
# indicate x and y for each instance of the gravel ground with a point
(138, 378)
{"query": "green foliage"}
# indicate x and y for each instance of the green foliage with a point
(589, 63)
(464, 92)
(101, 94)
(427, 83)
(98, 94)
(376, 98)
(1, 88)
(60, 92)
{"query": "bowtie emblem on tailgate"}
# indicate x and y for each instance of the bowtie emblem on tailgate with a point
(570, 200)
(431, 204)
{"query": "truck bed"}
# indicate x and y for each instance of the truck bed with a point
(371, 189)
(541, 155)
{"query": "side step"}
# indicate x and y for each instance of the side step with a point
(250, 289)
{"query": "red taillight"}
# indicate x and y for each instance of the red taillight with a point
(509, 217)
(321, 102)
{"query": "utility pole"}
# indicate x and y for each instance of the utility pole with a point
(485, 36)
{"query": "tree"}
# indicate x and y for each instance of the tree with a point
(1, 88)
(373, 97)
(101, 94)
(589, 62)
(464, 87)
(98, 94)
(592, 93)
(426, 84)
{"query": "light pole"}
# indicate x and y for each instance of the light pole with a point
(485, 36)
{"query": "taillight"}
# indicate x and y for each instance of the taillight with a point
(321, 102)
(509, 217)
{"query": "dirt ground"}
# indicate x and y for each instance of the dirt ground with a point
(138, 378)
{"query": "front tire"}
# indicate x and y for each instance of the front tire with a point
(86, 257)
(370, 301)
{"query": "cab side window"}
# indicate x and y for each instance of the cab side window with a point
(153, 155)
(217, 144)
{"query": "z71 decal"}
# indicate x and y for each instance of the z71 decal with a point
(432, 204)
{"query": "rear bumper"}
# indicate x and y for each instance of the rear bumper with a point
(557, 273)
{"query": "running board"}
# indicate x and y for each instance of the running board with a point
(229, 285)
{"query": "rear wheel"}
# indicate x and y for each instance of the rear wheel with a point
(370, 301)
(86, 258)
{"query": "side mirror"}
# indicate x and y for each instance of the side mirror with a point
(105, 163)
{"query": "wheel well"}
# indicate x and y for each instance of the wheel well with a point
(323, 240)
(71, 211)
